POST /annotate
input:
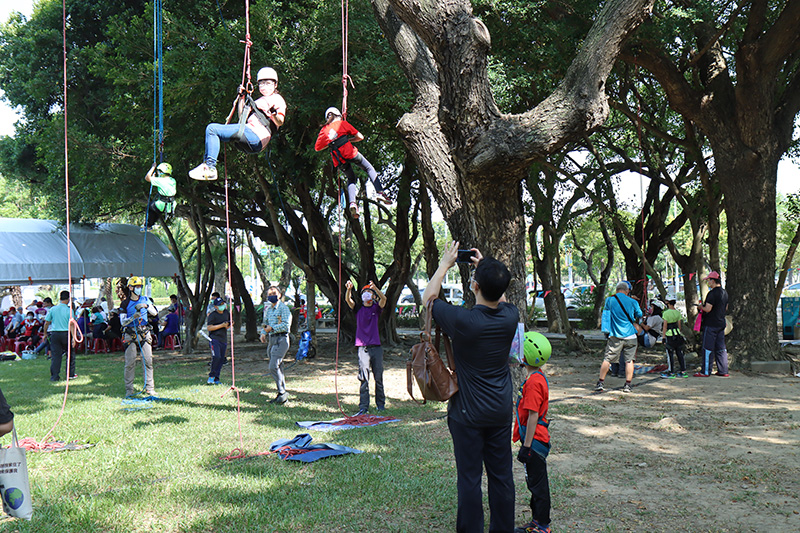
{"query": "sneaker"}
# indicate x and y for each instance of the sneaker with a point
(73, 376)
(361, 412)
(681, 375)
(700, 375)
(282, 398)
(383, 197)
(210, 381)
(203, 172)
(54, 378)
(721, 375)
(600, 387)
(627, 388)
(217, 382)
(669, 375)
(532, 527)
(381, 408)
(354, 210)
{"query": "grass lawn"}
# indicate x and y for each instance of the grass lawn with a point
(700, 455)
(159, 469)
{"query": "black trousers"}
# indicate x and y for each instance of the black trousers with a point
(59, 341)
(474, 448)
(538, 484)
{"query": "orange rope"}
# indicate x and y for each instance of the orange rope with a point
(345, 76)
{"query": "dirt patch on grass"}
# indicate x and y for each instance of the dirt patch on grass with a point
(694, 454)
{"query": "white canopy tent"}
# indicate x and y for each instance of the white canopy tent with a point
(35, 252)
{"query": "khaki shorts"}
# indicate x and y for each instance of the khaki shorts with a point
(615, 346)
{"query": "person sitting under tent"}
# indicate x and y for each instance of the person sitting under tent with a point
(162, 201)
(98, 323)
(30, 329)
(339, 135)
(259, 120)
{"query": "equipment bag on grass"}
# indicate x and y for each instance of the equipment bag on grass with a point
(436, 381)
(14, 485)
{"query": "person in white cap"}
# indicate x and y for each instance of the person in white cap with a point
(339, 135)
(269, 113)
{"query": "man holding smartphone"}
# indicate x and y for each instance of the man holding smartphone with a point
(479, 415)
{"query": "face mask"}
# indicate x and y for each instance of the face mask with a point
(366, 297)
(222, 307)
(137, 291)
(273, 298)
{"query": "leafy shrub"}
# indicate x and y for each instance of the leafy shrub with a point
(586, 314)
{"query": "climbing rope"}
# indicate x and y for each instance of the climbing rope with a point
(345, 38)
(72, 322)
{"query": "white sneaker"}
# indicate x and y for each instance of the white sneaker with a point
(203, 172)
(354, 210)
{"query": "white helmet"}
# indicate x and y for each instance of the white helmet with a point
(267, 73)
(332, 110)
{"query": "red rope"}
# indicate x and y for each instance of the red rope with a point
(72, 324)
(230, 283)
(362, 420)
(339, 311)
(345, 33)
(247, 82)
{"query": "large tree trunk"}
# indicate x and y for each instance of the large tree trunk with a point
(752, 226)
(473, 157)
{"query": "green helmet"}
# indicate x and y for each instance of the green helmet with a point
(165, 168)
(537, 349)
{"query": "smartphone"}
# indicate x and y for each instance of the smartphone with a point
(465, 256)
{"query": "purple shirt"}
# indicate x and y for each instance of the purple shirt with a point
(367, 325)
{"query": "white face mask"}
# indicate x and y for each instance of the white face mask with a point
(366, 297)
(137, 291)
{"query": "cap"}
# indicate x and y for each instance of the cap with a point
(218, 301)
(712, 275)
(657, 303)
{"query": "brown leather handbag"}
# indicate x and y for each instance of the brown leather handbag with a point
(436, 381)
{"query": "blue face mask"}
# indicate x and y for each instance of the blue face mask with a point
(273, 298)
(222, 307)
(137, 291)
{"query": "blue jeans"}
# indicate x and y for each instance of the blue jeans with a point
(216, 133)
(218, 359)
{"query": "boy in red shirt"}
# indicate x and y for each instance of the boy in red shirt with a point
(531, 428)
(338, 135)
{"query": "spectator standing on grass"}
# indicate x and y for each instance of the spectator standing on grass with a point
(479, 415)
(217, 323)
(619, 315)
(57, 324)
(713, 325)
(368, 342)
(275, 332)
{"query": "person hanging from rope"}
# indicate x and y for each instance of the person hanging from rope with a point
(137, 335)
(258, 121)
(162, 202)
(339, 135)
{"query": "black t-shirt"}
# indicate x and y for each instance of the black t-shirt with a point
(216, 318)
(5, 411)
(715, 318)
(482, 339)
(115, 324)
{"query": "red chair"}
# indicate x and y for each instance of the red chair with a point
(100, 345)
(172, 342)
(19, 346)
(116, 345)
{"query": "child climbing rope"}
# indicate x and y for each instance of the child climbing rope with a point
(338, 135)
(162, 203)
(258, 120)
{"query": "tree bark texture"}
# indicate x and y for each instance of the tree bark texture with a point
(474, 157)
(749, 119)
